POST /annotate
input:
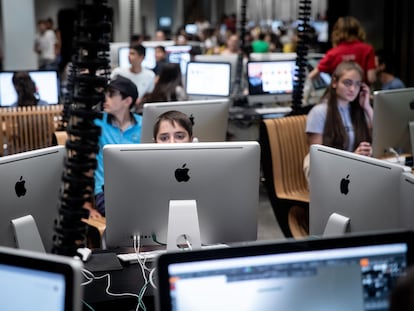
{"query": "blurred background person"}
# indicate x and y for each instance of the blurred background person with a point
(169, 86)
(385, 71)
(26, 90)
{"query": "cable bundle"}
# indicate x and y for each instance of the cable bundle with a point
(302, 51)
(88, 78)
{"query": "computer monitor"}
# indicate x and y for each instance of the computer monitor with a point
(270, 82)
(47, 85)
(407, 200)
(272, 56)
(37, 281)
(209, 117)
(225, 58)
(142, 179)
(206, 80)
(354, 272)
(30, 184)
(179, 54)
(364, 189)
(393, 110)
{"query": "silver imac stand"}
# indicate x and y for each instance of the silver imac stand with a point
(183, 227)
(336, 225)
(26, 234)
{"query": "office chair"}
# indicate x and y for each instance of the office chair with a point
(284, 145)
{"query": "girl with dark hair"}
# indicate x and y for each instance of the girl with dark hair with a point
(26, 90)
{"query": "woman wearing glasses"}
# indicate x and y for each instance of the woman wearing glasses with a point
(343, 118)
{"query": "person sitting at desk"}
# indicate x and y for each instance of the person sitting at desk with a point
(343, 118)
(26, 90)
(173, 127)
(118, 126)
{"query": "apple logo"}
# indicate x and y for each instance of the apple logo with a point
(181, 174)
(191, 117)
(344, 186)
(19, 187)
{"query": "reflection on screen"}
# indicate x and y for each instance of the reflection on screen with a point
(26, 289)
(208, 79)
(47, 84)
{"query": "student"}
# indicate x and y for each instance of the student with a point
(118, 126)
(173, 127)
(142, 77)
(160, 59)
(385, 71)
(169, 86)
(348, 40)
(26, 90)
(343, 118)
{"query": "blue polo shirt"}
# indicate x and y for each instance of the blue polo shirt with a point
(111, 134)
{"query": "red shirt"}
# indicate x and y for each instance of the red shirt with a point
(358, 51)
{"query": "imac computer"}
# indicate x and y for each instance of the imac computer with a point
(270, 82)
(393, 112)
(179, 54)
(47, 85)
(272, 56)
(37, 281)
(354, 272)
(407, 200)
(217, 58)
(30, 184)
(209, 118)
(205, 80)
(222, 178)
(362, 189)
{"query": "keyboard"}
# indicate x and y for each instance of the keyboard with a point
(132, 258)
(273, 110)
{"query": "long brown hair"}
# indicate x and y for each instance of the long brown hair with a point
(334, 133)
(347, 29)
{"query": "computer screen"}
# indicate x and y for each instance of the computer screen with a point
(47, 85)
(209, 117)
(223, 178)
(364, 189)
(272, 56)
(38, 281)
(270, 81)
(208, 79)
(355, 272)
(393, 110)
(30, 184)
(179, 54)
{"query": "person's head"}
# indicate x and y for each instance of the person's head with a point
(160, 54)
(135, 39)
(402, 295)
(121, 95)
(345, 87)
(170, 73)
(385, 61)
(160, 35)
(173, 127)
(25, 88)
(346, 81)
(136, 54)
(347, 29)
(233, 43)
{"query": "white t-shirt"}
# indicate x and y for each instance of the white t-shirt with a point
(143, 80)
(46, 43)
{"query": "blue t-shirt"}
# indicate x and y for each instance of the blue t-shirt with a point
(315, 121)
(393, 84)
(111, 134)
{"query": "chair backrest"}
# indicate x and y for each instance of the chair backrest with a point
(288, 146)
(29, 128)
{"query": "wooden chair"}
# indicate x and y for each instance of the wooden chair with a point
(29, 128)
(284, 145)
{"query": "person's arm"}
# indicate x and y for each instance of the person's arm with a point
(314, 138)
(371, 76)
(314, 73)
(364, 102)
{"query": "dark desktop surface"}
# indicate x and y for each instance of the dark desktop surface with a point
(116, 285)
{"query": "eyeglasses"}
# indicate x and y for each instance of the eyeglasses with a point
(349, 83)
